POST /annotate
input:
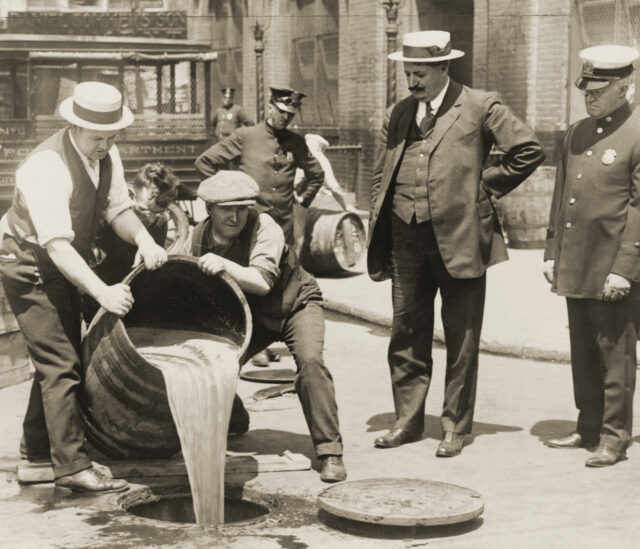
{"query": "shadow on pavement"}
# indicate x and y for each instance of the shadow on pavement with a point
(272, 441)
(552, 428)
(372, 327)
(380, 531)
(432, 427)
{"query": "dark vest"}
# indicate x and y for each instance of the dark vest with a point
(411, 195)
(86, 206)
(293, 288)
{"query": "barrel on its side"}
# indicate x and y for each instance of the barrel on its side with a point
(525, 211)
(124, 401)
(333, 241)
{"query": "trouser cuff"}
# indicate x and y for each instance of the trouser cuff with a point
(66, 469)
(329, 449)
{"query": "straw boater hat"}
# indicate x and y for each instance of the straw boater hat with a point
(229, 188)
(96, 106)
(602, 64)
(426, 47)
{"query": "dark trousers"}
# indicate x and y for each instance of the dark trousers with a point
(303, 333)
(417, 273)
(603, 363)
(49, 317)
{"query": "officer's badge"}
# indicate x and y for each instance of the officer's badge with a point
(229, 116)
(289, 156)
(608, 156)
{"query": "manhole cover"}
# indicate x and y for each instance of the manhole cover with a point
(401, 502)
(276, 375)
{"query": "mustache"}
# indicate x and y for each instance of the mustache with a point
(416, 88)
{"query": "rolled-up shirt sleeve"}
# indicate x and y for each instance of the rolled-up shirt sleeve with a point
(45, 185)
(266, 247)
(118, 199)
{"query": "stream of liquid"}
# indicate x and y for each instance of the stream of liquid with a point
(201, 374)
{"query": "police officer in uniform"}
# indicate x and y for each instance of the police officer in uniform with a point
(270, 153)
(285, 300)
(228, 117)
(592, 255)
(63, 188)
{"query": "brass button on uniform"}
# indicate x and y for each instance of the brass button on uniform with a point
(579, 176)
(572, 201)
(568, 225)
(599, 130)
(589, 153)
(608, 119)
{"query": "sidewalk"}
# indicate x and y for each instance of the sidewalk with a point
(522, 317)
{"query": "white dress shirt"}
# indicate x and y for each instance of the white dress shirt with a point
(46, 187)
(434, 104)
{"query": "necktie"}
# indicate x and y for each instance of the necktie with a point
(425, 123)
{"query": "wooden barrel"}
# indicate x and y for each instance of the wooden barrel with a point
(14, 359)
(525, 211)
(333, 241)
(124, 401)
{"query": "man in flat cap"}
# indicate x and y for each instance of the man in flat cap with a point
(270, 153)
(433, 227)
(229, 116)
(285, 300)
(592, 256)
(63, 189)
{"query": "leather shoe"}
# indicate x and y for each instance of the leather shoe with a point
(394, 438)
(450, 445)
(333, 469)
(574, 440)
(605, 456)
(92, 480)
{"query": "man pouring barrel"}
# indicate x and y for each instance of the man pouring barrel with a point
(285, 300)
(63, 188)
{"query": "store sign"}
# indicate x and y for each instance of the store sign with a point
(167, 24)
(13, 130)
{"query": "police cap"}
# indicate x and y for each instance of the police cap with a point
(286, 99)
(602, 64)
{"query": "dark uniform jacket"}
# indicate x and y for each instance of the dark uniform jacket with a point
(225, 120)
(464, 220)
(271, 158)
(594, 227)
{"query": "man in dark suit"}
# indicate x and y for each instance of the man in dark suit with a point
(433, 226)
(592, 255)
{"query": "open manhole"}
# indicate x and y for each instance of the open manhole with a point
(178, 508)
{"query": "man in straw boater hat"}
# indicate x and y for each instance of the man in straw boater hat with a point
(592, 256)
(433, 227)
(228, 116)
(63, 189)
(285, 302)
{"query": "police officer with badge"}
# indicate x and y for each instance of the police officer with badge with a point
(270, 153)
(592, 254)
(228, 117)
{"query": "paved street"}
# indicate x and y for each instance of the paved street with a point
(534, 496)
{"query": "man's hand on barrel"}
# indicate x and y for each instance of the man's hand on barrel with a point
(116, 299)
(211, 264)
(153, 255)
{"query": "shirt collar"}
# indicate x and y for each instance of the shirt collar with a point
(437, 101)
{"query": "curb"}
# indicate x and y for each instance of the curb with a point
(516, 349)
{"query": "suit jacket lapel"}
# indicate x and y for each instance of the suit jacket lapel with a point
(447, 114)
(404, 121)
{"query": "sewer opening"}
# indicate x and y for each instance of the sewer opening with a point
(179, 508)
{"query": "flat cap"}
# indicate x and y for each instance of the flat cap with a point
(602, 64)
(229, 188)
(286, 99)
